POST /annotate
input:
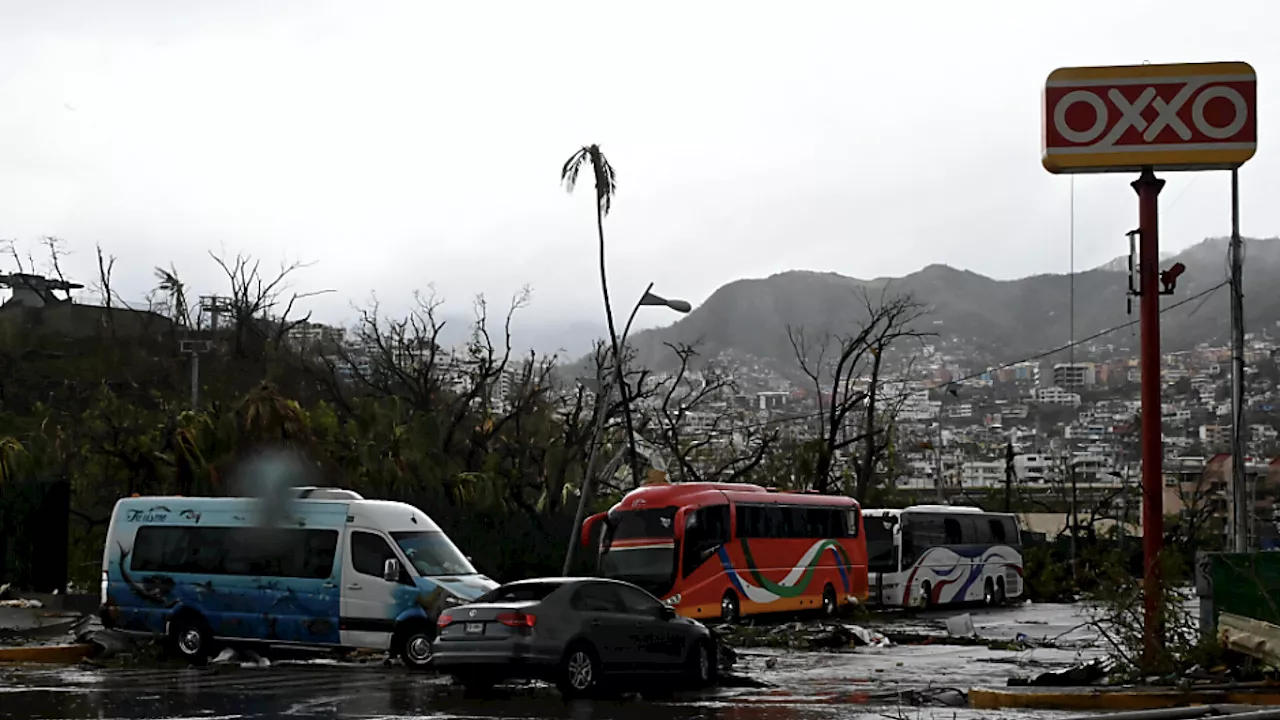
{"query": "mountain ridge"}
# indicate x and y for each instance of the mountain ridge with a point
(999, 319)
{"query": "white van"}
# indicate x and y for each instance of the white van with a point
(333, 571)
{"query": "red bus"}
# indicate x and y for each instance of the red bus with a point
(730, 550)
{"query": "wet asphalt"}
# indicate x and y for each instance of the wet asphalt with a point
(864, 683)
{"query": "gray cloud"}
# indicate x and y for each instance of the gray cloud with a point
(397, 144)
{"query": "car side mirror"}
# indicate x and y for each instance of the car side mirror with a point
(391, 570)
(667, 613)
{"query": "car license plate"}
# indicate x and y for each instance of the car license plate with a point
(475, 628)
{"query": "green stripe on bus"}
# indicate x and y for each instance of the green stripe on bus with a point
(785, 591)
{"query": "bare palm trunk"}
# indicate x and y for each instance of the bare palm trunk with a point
(617, 354)
(870, 455)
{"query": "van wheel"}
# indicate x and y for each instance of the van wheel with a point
(989, 593)
(191, 638)
(579, 672)
(413, 645)
(830, 605)
(730, 610)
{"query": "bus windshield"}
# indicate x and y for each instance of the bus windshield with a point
(639, 546)
(882, 551)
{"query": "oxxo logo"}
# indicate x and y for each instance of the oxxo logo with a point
(1104, 133)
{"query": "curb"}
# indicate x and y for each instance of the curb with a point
(48, 654)
(1119, 699)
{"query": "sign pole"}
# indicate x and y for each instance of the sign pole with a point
(1240, 518)
(1148, 187)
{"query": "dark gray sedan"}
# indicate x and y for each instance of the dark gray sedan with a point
(579, 633)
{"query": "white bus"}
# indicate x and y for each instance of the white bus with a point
(930, 555)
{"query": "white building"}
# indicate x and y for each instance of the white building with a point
(982, 474)
(1057, 396)
(1032, 467)
(1074, 375)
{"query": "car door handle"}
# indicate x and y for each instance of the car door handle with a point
(329, 585)
(353, 586)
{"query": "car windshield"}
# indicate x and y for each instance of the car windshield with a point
(433, 553)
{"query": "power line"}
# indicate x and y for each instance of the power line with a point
(1203, 294)
(1095, 336)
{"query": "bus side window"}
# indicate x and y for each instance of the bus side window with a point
(997, 528)
(1011, 531)
(951, 528)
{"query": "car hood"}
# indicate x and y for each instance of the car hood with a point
(463, 587)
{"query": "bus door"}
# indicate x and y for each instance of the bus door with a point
(884, 552)
(706, 530)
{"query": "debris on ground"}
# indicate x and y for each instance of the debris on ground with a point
(1090, 673)
(802, 636)
(961, 626)
(21, 604)
(243, 657)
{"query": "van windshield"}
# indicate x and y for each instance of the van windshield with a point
(433, 553)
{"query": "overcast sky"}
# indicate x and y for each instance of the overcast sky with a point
(399, 144)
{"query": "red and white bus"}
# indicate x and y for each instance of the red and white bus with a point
(719, 550)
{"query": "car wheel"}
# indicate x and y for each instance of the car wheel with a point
(1001, 597)
(926, 589)
(830, 605)
(730, 610)
(989, 593)
(413, 645)
(700, 668)
(579, 672)
(191, 638)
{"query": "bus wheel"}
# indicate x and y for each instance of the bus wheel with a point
(730, 611)
(926, 589)
(1001, 597)
(989, 593)
(830, 606)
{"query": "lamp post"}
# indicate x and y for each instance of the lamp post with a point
(647, 299)
(605, 390)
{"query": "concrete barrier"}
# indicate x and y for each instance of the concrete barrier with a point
(1116, 699)
(46, 654)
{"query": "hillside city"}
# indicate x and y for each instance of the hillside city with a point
(1065, 432)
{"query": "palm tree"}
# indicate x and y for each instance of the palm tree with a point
(606, 186)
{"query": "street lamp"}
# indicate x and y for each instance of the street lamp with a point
(647, 299)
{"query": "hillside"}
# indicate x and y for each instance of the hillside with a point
(1000, 319)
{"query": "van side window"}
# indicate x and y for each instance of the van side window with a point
(264, 552)
(369, 553)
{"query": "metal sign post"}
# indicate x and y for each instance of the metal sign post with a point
(1143, 118)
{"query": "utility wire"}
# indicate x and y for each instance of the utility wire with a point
(1203, 294)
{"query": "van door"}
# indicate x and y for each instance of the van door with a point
(368, 601)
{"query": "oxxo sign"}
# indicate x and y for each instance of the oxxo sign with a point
(1197, 116)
